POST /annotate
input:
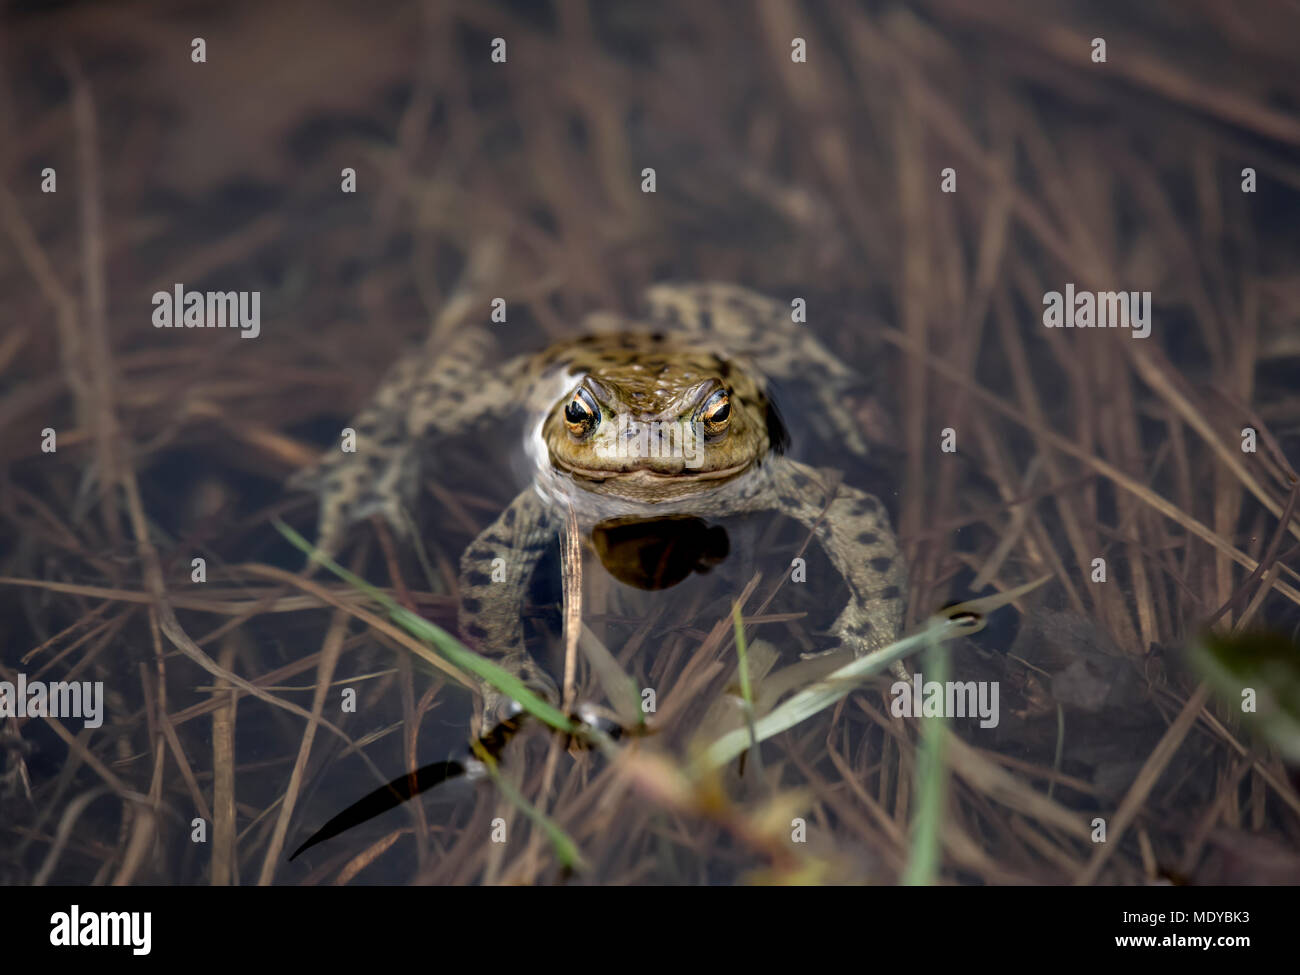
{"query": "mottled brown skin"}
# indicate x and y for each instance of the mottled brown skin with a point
(650, 379)
(599, 406)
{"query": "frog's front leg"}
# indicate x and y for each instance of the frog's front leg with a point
(494, 575)
(854, 532)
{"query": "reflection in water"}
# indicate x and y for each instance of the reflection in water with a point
(661, 552)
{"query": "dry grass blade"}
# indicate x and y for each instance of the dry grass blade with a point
(1146, 780)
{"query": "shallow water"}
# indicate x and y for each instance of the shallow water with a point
(1005, 451)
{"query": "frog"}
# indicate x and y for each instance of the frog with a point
(668, 412)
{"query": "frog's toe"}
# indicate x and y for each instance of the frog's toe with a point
(381, 487)
(499, 706)
(841, 648)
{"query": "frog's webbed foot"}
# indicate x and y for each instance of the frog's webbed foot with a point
(498, 706)
(854, 532)
(494, 575)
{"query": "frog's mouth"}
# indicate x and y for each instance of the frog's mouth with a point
(645, 483)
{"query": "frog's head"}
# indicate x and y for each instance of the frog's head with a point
(661, 426)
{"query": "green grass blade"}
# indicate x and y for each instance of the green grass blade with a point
(746, 691)
(446, 644)
(566, 850)
(931, 782)
(820, 695)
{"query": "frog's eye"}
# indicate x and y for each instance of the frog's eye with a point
(716, 412)
(582, 415)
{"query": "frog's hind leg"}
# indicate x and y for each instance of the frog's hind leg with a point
(750, 325)
(495, 572)
(854, 531)
(435, 390)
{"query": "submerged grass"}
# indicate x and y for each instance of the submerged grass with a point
(436, 637)
(803, 705)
